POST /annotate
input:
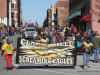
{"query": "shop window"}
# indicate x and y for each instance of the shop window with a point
(13, 22)
(86, 6)
(12, 5)
(12, 15)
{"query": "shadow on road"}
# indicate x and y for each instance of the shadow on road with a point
(46, 67)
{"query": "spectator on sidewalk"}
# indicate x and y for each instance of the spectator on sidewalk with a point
(74, 29)
(85, 34)
(96, 45)
(50, 38)
(79, 37)
(90, 36)
(1, 38)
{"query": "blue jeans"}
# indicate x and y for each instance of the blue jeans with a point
(99, 50)
(7, 34)
(86, 58)
(96, 54)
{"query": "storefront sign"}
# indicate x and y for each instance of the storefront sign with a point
(41, 53)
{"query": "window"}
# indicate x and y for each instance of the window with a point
(12, 5)
(13, 22)
(30, 29)
(12, 15)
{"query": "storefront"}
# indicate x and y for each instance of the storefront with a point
(95, 15)
(74, 19)
(85, 20)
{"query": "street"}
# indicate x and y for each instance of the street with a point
(32, 69)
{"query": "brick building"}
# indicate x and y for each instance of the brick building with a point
(75, 13)
(5, 11)
(11, 11)
(59, 12)
(84, 14)
(53, 11)
(16, 13)
(62, 12)
(47, 21)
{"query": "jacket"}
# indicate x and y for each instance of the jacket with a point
(87, 47)
(50, 39)
(79, 38)
(89, 36)
(96, 42)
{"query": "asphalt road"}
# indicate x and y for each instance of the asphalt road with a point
(94, 68)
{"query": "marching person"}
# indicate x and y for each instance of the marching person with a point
(44, 39)
(8, 49)
(87, 49)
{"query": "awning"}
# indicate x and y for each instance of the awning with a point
(74, 15)
(86, 18)
(55, 20)
(68, 19)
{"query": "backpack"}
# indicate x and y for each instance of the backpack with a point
(78, 44)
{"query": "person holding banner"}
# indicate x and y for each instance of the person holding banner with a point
(8, 49)
(87, 50)
(44, 39)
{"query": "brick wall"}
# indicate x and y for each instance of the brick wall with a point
(62, 12)
(64, 4)
(3, 8)
(49, 17)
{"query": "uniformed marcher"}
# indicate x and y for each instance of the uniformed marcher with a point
(87, 50)
(44, 39)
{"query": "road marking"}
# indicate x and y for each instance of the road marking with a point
(56, 72)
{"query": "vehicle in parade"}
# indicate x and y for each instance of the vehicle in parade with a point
(30, 32)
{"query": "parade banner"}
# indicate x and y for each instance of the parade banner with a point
(32, 52)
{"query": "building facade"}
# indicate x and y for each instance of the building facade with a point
(47, 21)
(5, 11)
(53, 11)
(57, 14)
(84, 14)
(75, 13)
(16, 13)
(62, 12)
(10, 13)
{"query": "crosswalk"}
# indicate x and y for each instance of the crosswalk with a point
(92, 65)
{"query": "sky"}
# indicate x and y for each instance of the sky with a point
(34, 9)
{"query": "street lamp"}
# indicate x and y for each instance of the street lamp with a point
(3, 23)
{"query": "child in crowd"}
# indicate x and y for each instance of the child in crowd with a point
(8, 49)
(5, 38)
